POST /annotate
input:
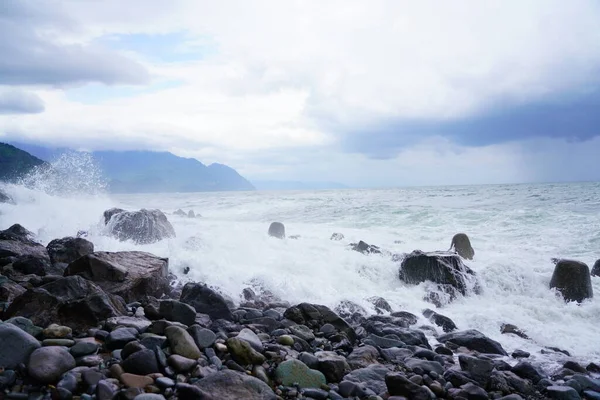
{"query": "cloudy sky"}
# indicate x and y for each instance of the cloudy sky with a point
(367, 93)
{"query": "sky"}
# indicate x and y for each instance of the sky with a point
(365, 93)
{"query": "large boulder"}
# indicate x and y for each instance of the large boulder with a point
(133, 275)
(443, 268)
(64, 251)
(315, 316)
(72, 301)
(17, 346)
(206, 301)
(142, 227)
(16, 242)
(230, 385)
(462, 245)
(277, 230)
(473, 340)
(9, 291)
(572, 279)
(596, 268)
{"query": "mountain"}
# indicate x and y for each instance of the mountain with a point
(296, 185)
(15, 163)
(153, 172)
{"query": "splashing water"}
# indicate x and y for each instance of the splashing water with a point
(515, 230)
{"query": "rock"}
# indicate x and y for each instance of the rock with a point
(135, 381)
(58, 342)
(526, 370)
(142, 227)
(596, 268)
(182, 343)
(277, 230)
(181, 364)
(337, 236)
(149, 396)
(206, 301)
(462, 245)
(243, 353)
(314, 316)
(26, 325)
(303, 332)
(285, 340)
(252, 339)
(84, 349)
(230, 385)
(191, 214)
(509, 328)
(64, 251)
(399, 385)
(72, 301)
(362, 357)
(54, 331)
(141, 362)
(293, 371)
(9, 291)
(365, 248)
(473, 392)
(520, 354)
(31, 265)
(572, 280)
(442, 268)
(383, 342)
(574, 366)
(140, 324)
(332, 365)
(118, 338)
(473, 340)
(17, 346)
(202, 337)
(380, 304)
(562, 393)
(440, 320)
(108, 214)
(479, 369)
(133, 275)
(47, 364)
(174, 310)
(17, 241)
(373, 377)
(425, 365)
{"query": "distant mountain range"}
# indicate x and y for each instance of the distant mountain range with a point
(296, 185)
(15, 163)
(145, 171)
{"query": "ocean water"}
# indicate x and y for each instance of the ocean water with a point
(515, 231)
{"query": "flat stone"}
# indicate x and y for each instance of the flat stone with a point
(17, 346)
(293, 371)
(181, 364)
(182, 342)
(243, 353)
(174, 310)
(362, 357)
(227, 384)
(118, 338)
(47, 364)
(55, 331)
(151, 340)
(26, 325)
(58, 342)
(303, 332)
(562, 393)
(141, 362)
(135, 381)
(202, 337)
(149, 396)
(141, 324)
(251, 338)
(84, 349)
(165, 382)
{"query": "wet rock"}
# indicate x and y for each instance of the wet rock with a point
(509, 328)
(399, 385)
(277, 230)
(381, 305)
(141, 227)
(365, 248)
(9, 291)
(31, 265)
(251, 338)
(55, 331)
(293, 371)
(372, 377)
(408, 318)
(230, 385)
(202, 337)
(362, 357)
(47, 364)
(285, 340)
(479, 369)
(596, 268)
(383, 342)
(442, 268)
(243, 353)
(64, 251)
(462, 245)
(17, 241)
(574, 366)
(425, 365)
(71, 301)
(520, 354)
(141, 362)
(26, 325)
(182, 342)
(181, 364)
(314, 316)
(58, 342)
(526, 370)
(473, 392)
(118, 338)
(303, 332)
(473, 340)
(206, 301)
(572, 279)
(332, 365)
(133, 275)
(135, 381)
(174, 310)
(16, 346)
(562, 393)
(440, 320)
(337, 236)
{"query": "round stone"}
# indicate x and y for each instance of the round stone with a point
(285, 340)
(47, 364)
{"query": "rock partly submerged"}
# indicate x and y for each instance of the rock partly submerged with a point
(141, 227)
(572, 280)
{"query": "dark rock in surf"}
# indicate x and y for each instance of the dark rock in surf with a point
(572, 279)
(277, 230)
(462, 245)
(133, 275)
(509, 328)
(180, 212)
(64, 251)
(142, 227)
(191, 214)
(314, 316)
(473, 340)
(596, 268)
(439, 267)
(381, 304)
(72, 301)
(206, 301)
(16, 242)
(440, 320)
(337, 236)
(365, 248)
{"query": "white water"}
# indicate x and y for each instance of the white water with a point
(515, 230)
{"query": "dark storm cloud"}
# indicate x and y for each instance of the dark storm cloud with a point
(569, 117)
(30, 54)
(19, 102)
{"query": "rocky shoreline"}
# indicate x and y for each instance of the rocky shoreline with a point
(82, 324)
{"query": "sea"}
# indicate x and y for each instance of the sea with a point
(515, 230)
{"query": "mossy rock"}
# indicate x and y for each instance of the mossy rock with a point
(292, 372)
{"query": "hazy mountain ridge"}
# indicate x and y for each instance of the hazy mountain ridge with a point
(151, 172)
(15, 163)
